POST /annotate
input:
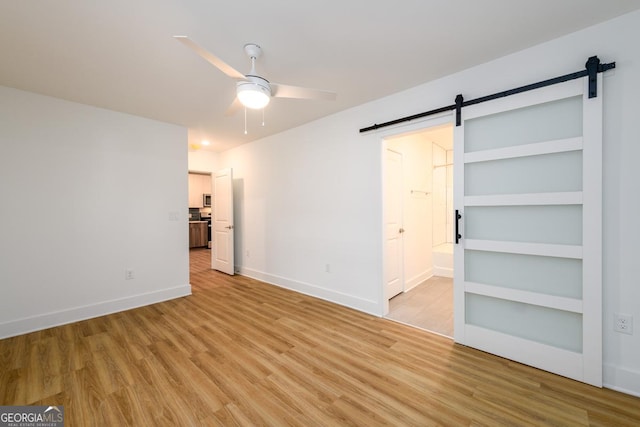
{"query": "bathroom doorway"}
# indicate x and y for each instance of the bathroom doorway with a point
(422, 255)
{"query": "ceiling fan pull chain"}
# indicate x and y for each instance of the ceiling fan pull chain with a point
(263, 117)
(245, 120)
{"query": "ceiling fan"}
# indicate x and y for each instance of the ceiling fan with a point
(252, 90)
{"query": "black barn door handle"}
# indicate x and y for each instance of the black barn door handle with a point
(458, 236)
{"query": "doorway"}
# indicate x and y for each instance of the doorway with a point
(200, 210)
(419, 166)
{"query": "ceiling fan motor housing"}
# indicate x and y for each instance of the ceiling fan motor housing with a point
(253, 50)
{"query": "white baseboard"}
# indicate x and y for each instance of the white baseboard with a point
(367, 306)
(76, 314)
(443, 272)
(416, 280)
(621, 379)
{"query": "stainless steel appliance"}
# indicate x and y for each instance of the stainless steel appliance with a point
(207, 217)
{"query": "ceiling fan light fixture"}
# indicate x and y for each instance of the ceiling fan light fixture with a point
(254, 94)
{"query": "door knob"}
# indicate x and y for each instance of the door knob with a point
(401, 231)
(229, 227)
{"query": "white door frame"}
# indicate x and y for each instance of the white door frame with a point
(394, 131)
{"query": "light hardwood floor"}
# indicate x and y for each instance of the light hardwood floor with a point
(428, 306)
(241, 352)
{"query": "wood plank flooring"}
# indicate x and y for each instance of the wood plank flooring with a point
(241, 352)
(428, 306)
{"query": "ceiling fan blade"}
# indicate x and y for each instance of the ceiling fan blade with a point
(234, 107)
(287, 91)
(210, 57)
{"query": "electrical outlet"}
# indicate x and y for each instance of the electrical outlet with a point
(327, 268)
(623, 323)
(128, 274)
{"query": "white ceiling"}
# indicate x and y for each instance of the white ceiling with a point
(120, 54)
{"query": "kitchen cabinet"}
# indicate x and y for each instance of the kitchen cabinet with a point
(195, 191)
(205, 184)
(199, 184)
(198, 234)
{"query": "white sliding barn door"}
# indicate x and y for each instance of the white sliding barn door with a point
(528, 186)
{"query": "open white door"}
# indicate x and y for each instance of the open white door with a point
(528, 187)
(222, 253)
(393, 224)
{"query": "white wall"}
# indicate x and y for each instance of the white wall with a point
(417, 207)
(202, 161)
(303, 205)
(449, 190)
(439, 194)
(86, 194)
(312, 195)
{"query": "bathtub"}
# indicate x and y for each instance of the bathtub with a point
(443, 260)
